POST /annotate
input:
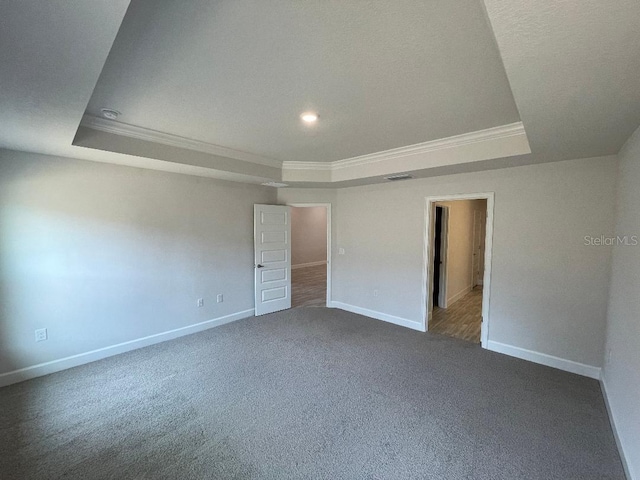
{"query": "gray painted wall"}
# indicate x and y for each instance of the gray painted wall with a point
(549, 291)
(102, 254)
(622, 371)
(308, 235)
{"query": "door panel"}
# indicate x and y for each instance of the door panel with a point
(272, 257)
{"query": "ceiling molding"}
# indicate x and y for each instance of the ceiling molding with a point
(141, 133)
(308, 165)
(503, 131)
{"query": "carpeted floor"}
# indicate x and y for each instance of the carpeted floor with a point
(308, 393)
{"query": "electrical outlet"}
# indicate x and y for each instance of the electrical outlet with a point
(41, 335)
(376, 292)
(219, 298)
(341, 251)
(201, 302)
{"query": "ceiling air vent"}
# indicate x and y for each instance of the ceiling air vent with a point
(400, 176)
(275, 184)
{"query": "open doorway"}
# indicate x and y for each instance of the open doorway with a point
(310, 254)
(457, 254)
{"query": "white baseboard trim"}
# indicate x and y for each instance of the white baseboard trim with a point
(403, 322)
(310, 264)
(458, 296)
(46, 368)
(544, 359)
(614, 422)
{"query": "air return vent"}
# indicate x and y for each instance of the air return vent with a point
(400, 176)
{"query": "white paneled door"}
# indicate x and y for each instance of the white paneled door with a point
(272, 257)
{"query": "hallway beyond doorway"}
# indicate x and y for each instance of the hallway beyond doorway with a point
(461, 320)
(309, 286)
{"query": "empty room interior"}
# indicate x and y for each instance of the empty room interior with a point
(293, 239)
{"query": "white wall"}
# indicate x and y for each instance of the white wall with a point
(102, 254)
(621, 375)
(308, 235)
(548, 291)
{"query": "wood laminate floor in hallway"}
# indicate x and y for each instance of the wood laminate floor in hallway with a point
(462, 319)
(309, 286)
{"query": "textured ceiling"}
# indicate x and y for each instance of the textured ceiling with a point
(574, 67)
(51, 54)
(238, 73)
(381, 74)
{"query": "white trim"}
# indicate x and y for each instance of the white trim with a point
(329, 254)
(544, 359)
(310, 264)
(146, 134)
(93, 355)
(459, 295)
(502, 131)
(614, 422)
(403, 322)
(488, 255)
(307, 165)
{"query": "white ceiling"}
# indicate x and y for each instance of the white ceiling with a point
(574, 67)
(51, 55)
(238, 73)
(233, 76)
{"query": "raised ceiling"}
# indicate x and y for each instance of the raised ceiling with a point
(574, 67)
(238, 73)
(215, 88)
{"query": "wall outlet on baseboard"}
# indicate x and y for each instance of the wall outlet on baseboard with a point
(41, 335)
(219, 298)
(200, 302)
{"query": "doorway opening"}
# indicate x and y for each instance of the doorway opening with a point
(310, 255)
(457, 271)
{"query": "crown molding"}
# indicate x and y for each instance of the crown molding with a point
(146, 134)
(336, 169)
(503, 131)
(308, 165)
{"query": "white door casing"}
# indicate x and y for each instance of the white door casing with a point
(486, 264)
(272, 258)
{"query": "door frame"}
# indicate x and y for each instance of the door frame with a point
(444, 257)
(427, 288)
(329, 252)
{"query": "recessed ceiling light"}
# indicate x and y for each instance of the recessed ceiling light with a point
(110, 113)
(309, 117)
